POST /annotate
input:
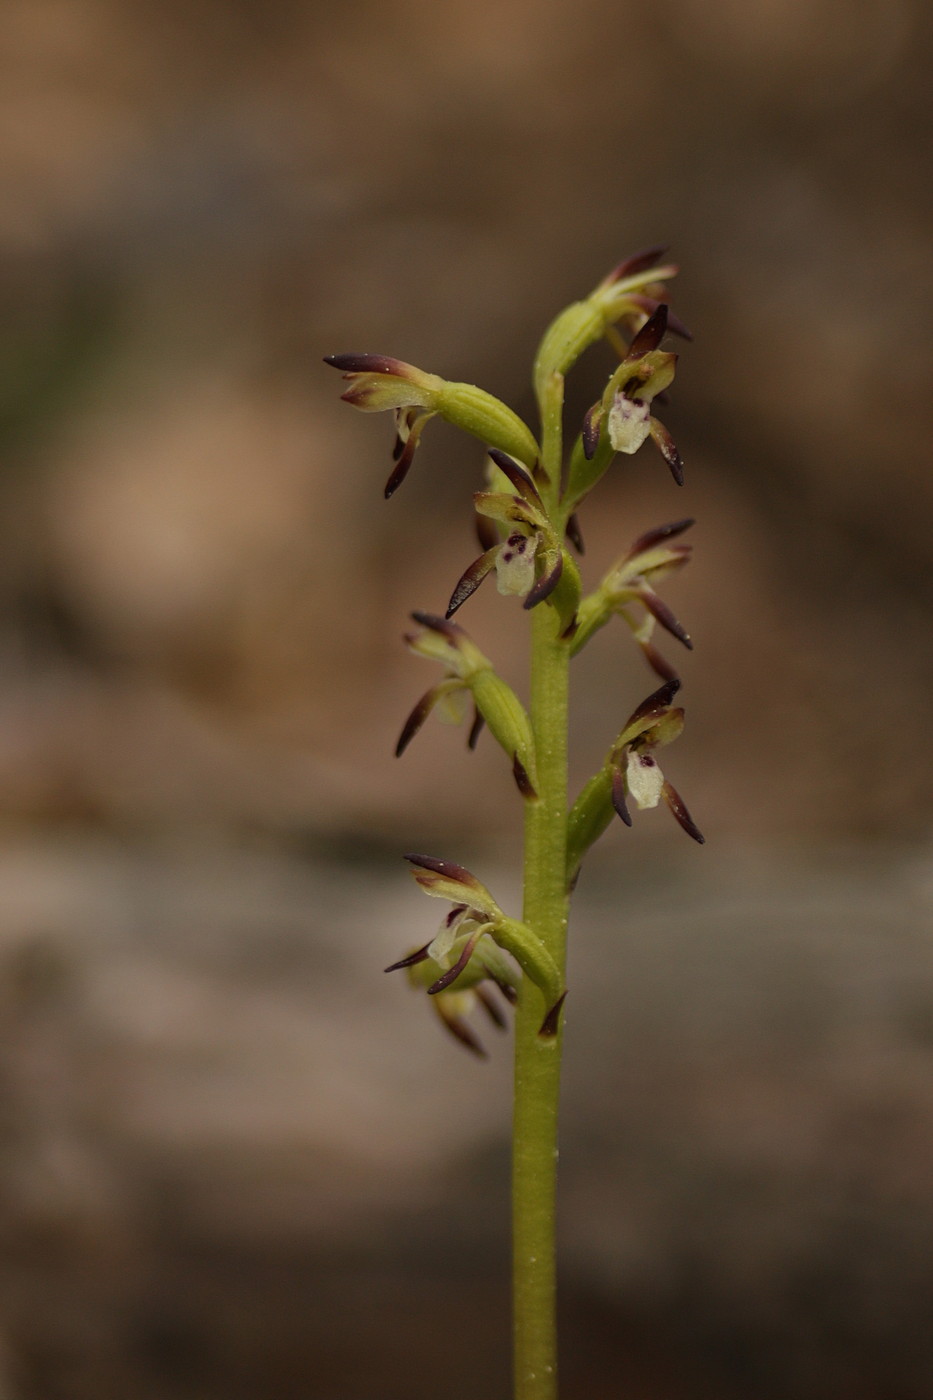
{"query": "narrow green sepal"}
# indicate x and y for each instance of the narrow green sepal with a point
(585, 472)
(487, 418)
(594, 612)
(532, 957)
(506, 718)
(589, 817)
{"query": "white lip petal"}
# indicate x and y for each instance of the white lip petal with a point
(515, 565)
(644, 779)
(443, 941)
(628, 423)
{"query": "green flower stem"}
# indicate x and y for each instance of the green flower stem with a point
(537, 1060)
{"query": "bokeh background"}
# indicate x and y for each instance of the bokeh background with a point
(236, 1161)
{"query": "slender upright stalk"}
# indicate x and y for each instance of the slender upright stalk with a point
(537, 1060)
(529, 510)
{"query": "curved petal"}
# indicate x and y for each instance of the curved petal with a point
(400, 471)
(659, 609)
(668, 449)
(554, 567)
(448, 1008)
(676, 803)
(454, 972)
(619, 793)
(471, 578)
(420, 713)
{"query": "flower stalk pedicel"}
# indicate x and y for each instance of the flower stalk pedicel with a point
(525, 513)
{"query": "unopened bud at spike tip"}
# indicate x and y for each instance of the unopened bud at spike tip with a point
(638, 262)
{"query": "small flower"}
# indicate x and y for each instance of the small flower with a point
(468, 951)
(530, 545)
(379, 382)
(634, 770)
(468, 672)
(453, 1005)
(631, 581)
(625, 407)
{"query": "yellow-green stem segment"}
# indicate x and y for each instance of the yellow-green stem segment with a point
(537, 1060)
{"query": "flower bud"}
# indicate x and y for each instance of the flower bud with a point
(446, 642)
(379, 382)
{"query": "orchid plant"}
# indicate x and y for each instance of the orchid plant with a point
(527, 519)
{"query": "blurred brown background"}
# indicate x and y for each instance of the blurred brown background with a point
(236, 1161)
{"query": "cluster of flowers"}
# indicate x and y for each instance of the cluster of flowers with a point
(523, 542)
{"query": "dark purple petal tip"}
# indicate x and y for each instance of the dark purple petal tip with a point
(662, 613)
(454, 972)
(522, 780)
(419, 956)
(546, 584)
(674, 323)
(575, 535)
(416, 719)
(668, 449)
(471, 578)
(650, 335)
(657, 702)
(368, 364)
(663, 532)
(592, 422)
(516, 474)
(618, 796)
(676, 803)
(638, 262)
(448, 868)
(433, 623)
